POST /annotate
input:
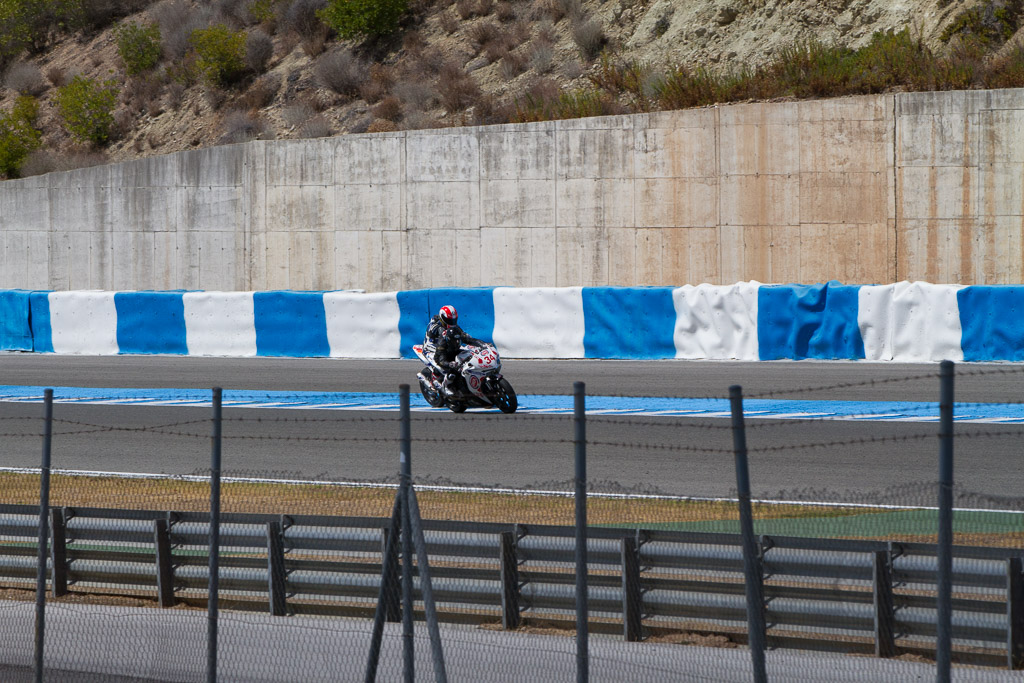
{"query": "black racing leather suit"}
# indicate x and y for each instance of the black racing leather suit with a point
(447, 341)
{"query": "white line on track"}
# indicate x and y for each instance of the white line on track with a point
(475, 489)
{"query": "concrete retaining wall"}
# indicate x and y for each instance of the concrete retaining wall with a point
(906, 321)
(866, 189)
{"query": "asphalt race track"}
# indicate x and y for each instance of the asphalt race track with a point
(887, 461)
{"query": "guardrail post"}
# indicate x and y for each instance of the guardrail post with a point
(58, 553)
(275, 570)
(1015, 613)
(751, 567)
(390, 591)
(881, 590)
(632, 596)
(510, 617)
(944, 589)
(164, 566)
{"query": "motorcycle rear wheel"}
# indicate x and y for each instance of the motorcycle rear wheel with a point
(505, 397)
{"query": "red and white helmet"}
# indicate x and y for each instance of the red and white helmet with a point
(449, 316)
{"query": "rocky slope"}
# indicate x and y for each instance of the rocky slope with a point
(451, 63)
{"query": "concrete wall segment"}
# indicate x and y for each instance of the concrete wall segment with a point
(776, 191)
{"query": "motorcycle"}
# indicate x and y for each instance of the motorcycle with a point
(478, 384)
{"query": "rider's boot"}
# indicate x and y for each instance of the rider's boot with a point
(446, 386)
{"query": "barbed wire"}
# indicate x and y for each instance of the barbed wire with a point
(859, 441)
(842, 385)
(659, 447)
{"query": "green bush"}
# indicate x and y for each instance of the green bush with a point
(18, 135)
(138, 46)
(221, 53)
(262, 10)
(363, 18)
(87, 107)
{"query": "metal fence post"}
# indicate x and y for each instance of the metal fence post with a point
(58, 553)
(389, 575)
(379, 616)
(44, 508)
(752, 574)
(632, 596)
(944, 589)
(1015, 614)
(582, 610)
(881, 591)
(214, 588)
(164, 566)
(510, 617)
(405, 477)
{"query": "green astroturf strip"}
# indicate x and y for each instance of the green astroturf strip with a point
(869, 525)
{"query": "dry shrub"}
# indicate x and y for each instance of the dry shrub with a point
(56, 76)
(484, 7)
(239, 126)
(175, 95)
(415, 93)
(341, 71)
(25, 78)
(378, 84)
(465, 8)
(588, 34)
(142, 94)
(177, 21)
(46, 161)
(456, 88)
(314, 45)
(316, 127)
(381, 126)
(261, 93)
(541, 56)
(259, 48)
(301, 17)
(505, 12)
(559, 9)
(413, 42)
(449, 24)
(512, 64)
(389, 108)
(214, 97)
(294, 115)
(484, 34)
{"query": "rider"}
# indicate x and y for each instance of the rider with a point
(444, 332)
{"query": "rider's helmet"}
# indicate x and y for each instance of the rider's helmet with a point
(449, 316)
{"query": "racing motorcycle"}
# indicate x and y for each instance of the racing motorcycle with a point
(478, 384)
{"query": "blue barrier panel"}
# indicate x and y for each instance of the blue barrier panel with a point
(475, 306)
(150, 322)
(991, 322)
(629, 322)
(414, 313)
(42, 333)
(15, 320)
(808, 321)
(290, 324)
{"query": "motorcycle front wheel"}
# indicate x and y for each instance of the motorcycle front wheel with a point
(430, 395)
(504, 397)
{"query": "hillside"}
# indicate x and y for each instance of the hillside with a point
(470, 62)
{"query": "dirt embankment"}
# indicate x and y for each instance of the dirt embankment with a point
(451, 62)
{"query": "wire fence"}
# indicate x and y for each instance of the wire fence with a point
(754, 537)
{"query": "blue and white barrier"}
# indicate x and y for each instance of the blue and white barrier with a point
(905, 321)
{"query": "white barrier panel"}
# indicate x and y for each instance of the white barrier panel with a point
(220, 324)
(539, 322)
(716, 322)
(363, 325)
(83, 323)
(910, 321)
